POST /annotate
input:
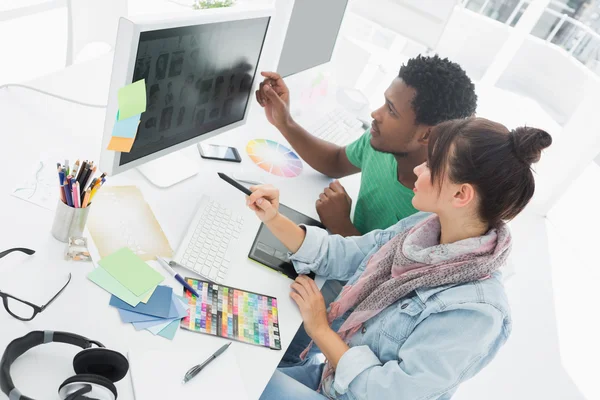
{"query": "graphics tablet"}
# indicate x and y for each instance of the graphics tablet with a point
(269, 251)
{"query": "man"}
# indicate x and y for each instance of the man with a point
(427, 91)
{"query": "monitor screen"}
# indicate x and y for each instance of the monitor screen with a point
(311, 35)
(198, 79)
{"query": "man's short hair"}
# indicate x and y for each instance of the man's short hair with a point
(444, 91)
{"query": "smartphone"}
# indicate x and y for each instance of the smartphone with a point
(216, 152)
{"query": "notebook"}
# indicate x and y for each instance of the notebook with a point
(159, 374)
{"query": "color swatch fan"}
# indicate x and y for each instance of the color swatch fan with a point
(274, 158)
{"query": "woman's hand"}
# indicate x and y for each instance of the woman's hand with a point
(264, 201)
(310, 301)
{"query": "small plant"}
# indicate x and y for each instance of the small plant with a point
(202, 4)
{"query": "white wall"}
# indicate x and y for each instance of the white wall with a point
(550, 75)
(541, 71)
(570, 153)
(472, 40)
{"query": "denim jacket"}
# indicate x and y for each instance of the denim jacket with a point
(421, 347)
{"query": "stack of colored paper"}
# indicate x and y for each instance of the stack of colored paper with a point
(132, 103)
(135, 290)
(160, 315)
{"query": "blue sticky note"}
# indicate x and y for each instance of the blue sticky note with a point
(158, 305)
(126, 128)
(170, 331)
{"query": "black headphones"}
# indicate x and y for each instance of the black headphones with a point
(96, 368)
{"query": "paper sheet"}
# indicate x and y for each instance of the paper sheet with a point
(158, 375)
(131, 271)
(157, 327)
(177, 311)
(132, 99)
(170, 331)
(159, 304)
(40, 185)
(119, 216)
(106, 281)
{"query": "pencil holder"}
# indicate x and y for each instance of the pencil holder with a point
(69, 221)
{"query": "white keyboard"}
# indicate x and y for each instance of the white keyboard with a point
(210, 240)
(337, 126)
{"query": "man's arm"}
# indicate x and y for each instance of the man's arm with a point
(346, 231)
(327, 158)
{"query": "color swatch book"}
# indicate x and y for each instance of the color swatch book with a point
(274, 158)
(137, 295)
(233, 313)
(160, 316)
(158, 374)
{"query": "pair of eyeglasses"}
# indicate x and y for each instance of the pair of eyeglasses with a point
(22, 309)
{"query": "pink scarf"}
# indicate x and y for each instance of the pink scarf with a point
(411, 260)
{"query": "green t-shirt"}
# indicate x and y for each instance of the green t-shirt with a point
(382, 200)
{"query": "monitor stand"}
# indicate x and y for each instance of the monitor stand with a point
(169, 170)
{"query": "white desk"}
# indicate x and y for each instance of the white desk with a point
(33, 124)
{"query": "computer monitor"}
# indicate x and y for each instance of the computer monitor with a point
(199, 73)
(311, 35)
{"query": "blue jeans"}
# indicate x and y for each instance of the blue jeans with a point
(295, 383)
(330, 291)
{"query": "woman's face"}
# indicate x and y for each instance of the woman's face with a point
(448, 199)
(428, 196)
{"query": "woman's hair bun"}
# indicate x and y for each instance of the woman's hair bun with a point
(528, 143)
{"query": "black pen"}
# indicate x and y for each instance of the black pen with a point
(235, 183)
(196, 369)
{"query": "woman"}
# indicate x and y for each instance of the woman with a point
(424, 308)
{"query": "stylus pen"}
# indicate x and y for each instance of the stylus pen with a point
(204, 277)
(177, 276)
(234, 183)
(196, 369)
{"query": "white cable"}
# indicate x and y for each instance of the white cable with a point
(81, 103)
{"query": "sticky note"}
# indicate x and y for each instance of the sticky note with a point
(159, 304)
(170, 331)
(132, 99)
(107, 282)
(126, 128)
(123, 145)
(131, 271)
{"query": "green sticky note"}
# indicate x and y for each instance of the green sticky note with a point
(170, 331)
(106, 281)
(132, 100)
(131, 271)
